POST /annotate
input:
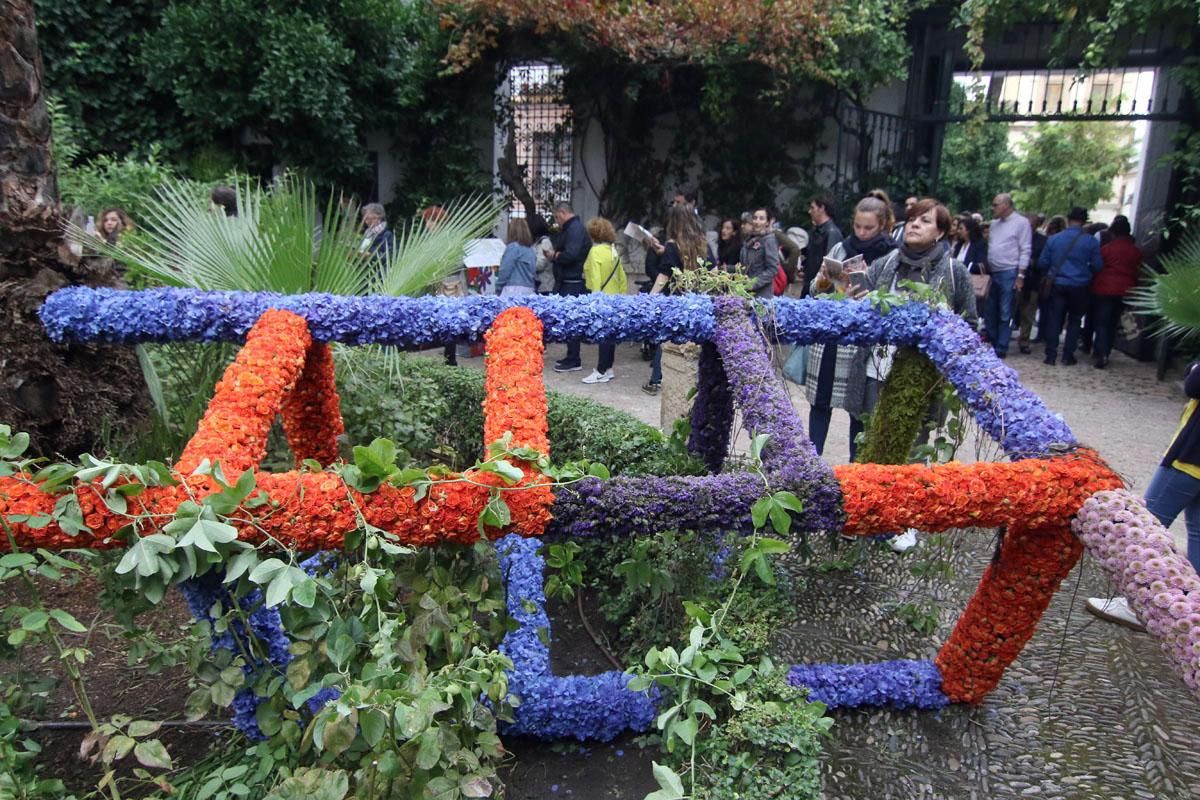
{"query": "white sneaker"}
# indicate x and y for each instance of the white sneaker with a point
(599, 377)
(1115, 609)
(904, 542)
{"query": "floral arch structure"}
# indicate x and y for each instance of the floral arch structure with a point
(1053, 498)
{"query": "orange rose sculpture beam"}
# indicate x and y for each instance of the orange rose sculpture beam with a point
(1033, 492)
(312, 413)
(280, 370)
(1034, 499)
(250, 395)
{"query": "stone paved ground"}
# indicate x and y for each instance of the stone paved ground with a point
(1089, 710)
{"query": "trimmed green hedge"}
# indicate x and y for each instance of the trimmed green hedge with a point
(432, 409)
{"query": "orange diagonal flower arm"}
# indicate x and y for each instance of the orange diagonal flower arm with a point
(250, 395)
(312, 412)
(1033, 493)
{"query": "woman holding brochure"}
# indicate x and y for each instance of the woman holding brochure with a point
(836, 376)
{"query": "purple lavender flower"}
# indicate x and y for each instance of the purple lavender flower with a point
(712, 411)
(789, 459)
(644, 506)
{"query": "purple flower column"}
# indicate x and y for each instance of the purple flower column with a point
(712, 411)
(790, 460)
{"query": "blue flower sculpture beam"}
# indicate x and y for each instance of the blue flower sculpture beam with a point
(1011, 414)
(899, 684)
(587, 708)
(82, 314)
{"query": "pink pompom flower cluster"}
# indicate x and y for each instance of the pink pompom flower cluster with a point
(1139, 557)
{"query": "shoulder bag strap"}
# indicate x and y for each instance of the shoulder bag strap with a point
(1058, 265)
(616, 266)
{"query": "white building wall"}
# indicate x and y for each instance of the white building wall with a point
(388, 171)
(589, 169)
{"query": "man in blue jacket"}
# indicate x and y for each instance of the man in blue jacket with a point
(1069, 260)
(573, 244)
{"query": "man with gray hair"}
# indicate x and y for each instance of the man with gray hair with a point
(1010, 244)
(378, 241)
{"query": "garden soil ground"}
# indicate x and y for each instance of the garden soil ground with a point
(1088, 710)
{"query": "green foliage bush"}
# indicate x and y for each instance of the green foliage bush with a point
(971, 157)
(309, 79)
(429, 408)
(92, 55)
(105, 181)
(772, 748)
(1067, 164)
(312, 78)
(644, 583)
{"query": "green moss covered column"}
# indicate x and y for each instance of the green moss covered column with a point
(904, 401)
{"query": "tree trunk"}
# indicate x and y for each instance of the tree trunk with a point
(512, 173)
(61, 395)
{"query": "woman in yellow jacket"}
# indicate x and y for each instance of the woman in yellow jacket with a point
(602, 272)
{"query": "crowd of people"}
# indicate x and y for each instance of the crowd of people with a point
(1061, 278)
(582, 259)
(1041, 281)
(1046, 281)
(1057, 281)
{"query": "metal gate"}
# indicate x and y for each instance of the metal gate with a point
(543, 129)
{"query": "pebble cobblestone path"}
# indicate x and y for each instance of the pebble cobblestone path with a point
(1089, 710)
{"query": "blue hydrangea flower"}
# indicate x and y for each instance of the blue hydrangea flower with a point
(587, 708)
(899, 684)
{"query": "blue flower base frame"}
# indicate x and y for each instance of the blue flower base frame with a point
(734, 370)
(597, 707)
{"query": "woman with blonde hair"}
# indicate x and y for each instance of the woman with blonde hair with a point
(603, 273)
(836, 375)
(889, 207)
(518, 265)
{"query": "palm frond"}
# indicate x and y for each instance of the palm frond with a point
(1172, 297)
(422, 257)
(153, 383)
